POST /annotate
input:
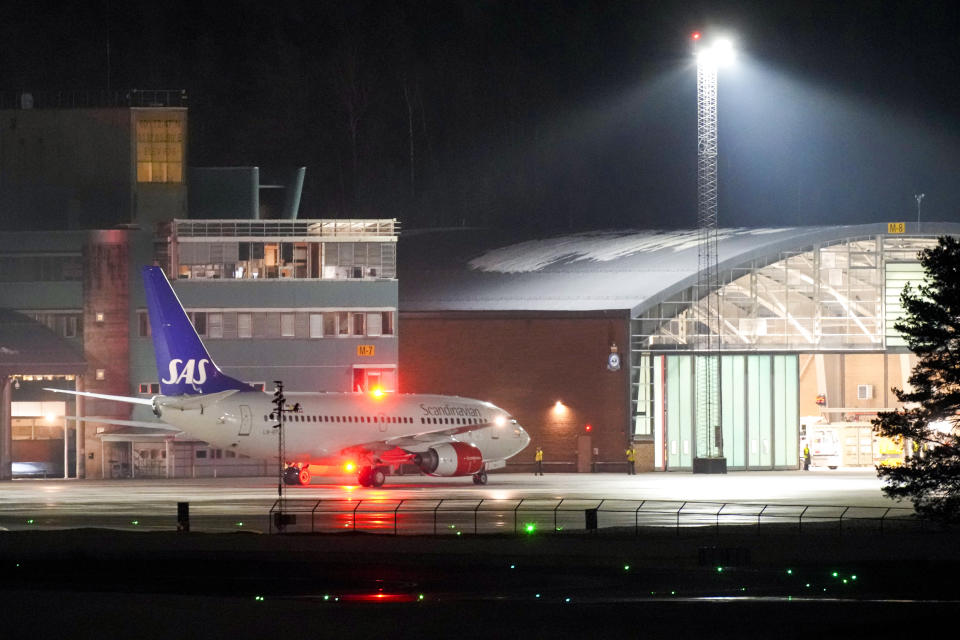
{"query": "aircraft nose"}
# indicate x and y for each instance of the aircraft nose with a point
(523, 435)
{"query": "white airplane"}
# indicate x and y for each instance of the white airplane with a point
(369, 432)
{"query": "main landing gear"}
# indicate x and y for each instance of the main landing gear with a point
(372, 476)
(480, 477)
(297, 475)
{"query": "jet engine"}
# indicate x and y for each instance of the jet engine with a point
(453, 459)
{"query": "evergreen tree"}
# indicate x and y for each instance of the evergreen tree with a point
(930, 475)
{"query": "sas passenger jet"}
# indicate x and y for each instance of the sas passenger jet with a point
(442, 435)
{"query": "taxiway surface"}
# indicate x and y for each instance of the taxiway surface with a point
(229, 501)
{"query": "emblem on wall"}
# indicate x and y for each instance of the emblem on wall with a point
(613, 360)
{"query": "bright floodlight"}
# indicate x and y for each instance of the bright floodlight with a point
(719, 53)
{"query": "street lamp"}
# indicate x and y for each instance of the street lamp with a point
(711, 55)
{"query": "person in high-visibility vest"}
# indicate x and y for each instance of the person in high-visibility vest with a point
(806, 457)
(631, 458)
(538, 458)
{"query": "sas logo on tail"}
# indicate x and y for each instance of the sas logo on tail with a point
(186, 374)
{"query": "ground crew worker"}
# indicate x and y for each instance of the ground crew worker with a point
(806, 457)
(539, 460)
(631, 457)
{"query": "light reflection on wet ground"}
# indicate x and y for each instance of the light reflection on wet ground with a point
(225, 504)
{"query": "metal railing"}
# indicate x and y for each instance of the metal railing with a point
(93, 99)
(526, 515)
(379, 228)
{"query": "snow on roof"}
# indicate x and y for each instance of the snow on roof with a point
(609, 270)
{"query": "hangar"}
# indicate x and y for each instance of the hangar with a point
(588, 338)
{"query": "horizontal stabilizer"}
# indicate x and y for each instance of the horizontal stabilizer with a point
(104, 396)
(125, 423)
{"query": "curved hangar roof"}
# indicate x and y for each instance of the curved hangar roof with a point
(609, 270)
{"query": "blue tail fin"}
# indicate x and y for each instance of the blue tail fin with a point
(183, 363)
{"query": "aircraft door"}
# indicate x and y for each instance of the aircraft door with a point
(382, 420)
(246, 420)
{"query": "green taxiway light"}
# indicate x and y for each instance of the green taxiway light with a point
(420, 597)
(844, 581)
(719, 569)
(530, 527)
(853, 577)
(326, 597)
(30, 521)
(537, 596)
(259, 598)
(566, 599)
(789, 572)
(459, 532)
(134, 522)
(835, 574)
(808, 585)
(626, 567)
(239, 524)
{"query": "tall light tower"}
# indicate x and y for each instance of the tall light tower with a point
(708, 455)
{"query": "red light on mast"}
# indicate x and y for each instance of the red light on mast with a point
(588, 427)
(695, 35)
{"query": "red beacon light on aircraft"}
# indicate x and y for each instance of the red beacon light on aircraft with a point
(588, 427)
(695, 35)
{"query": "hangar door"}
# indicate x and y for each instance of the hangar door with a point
(760, 412)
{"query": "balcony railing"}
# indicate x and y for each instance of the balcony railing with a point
(342, 228)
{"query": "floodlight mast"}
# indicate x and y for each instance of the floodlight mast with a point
(708, 455)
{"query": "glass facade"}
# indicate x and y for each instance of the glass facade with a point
(283, 249)
(835, 297)
(760, 419)
(830, 297)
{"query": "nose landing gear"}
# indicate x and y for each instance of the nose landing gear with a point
(480, 477)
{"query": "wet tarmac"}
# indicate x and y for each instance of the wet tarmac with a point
(224, 504)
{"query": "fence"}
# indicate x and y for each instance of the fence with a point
(485, 516)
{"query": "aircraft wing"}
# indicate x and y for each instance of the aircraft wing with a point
(412, 441)
(170, 402)
(432, 437)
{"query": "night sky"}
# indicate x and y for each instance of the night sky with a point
(536, 117)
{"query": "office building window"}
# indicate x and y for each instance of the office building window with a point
(143, 324)
(214, 325)
(287, 325)
(199, 320)
(160, 151)
(386, 323)
(358, 324)
(374, 324)
(316, 325)
(244, 325)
